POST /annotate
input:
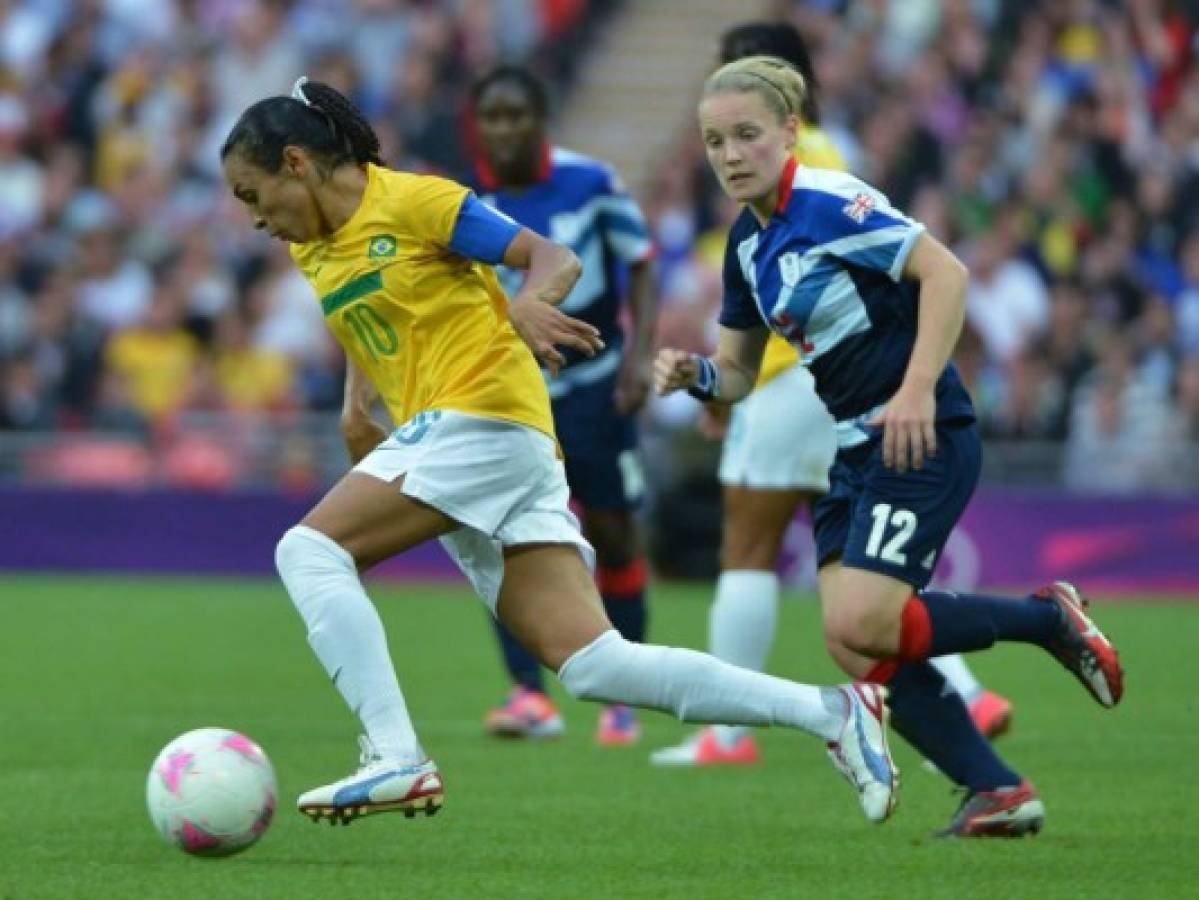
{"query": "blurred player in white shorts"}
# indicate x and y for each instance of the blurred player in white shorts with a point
(777, 452)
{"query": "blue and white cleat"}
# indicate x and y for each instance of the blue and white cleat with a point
(861, 753)
(378, 786)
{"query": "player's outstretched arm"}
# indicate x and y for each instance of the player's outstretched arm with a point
(553, 271)
(359, 430)
(726, 377)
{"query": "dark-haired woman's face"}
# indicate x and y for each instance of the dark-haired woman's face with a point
(511, 129)
(280, 203)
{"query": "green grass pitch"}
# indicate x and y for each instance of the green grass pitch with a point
(98, 673)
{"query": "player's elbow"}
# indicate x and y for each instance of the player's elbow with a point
(957, 273)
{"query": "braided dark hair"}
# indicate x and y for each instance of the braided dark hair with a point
(534, 88)
(781, 39)
(317, 117)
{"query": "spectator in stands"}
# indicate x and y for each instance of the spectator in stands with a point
(157, 357)
(250, 378)
(1070, 127)
(21, 179)
(25, 403)
(1006, 303)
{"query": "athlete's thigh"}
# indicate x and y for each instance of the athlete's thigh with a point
(374, 520)
(754, 524)
(862, 607)
(890, 529)
(902, 520)
(549, 601)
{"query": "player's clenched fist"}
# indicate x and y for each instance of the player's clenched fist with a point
(675, 370)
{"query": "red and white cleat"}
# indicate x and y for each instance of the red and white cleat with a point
(992, 714)
(1004, 812)
(378, 786)
(706, 748)
(525, 714)
(1081, 647)
(861, 754)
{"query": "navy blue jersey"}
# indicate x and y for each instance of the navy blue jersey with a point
(826, 273)
(581, 203)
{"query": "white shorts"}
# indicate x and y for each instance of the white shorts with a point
(780, 437)
(501, 481)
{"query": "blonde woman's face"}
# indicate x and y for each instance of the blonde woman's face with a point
(747, 145)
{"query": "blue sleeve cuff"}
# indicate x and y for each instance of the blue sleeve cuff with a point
(707, 384)
(482, 233)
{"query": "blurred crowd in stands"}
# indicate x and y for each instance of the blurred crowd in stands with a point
(1055, 146)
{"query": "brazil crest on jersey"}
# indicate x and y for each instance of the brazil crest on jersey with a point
(826, 273)
(427, 325)
(580, 202)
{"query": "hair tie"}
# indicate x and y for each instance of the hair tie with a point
(297, 90)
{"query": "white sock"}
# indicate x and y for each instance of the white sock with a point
(345, 631)
(743, 618)
(741, 627)
(959, 676)
(697, 687)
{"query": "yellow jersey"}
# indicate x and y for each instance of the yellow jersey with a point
(812, 148)
(428, 327)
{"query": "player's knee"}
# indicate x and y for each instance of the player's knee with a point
(616, 544)
(289, 551)
(302, 548)
(843, 656)
(867, 632)
(614, 554)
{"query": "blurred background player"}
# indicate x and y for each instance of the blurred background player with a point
(578, 202)
(779, 444)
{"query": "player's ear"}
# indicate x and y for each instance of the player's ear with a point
(791, 129)
(295, 162)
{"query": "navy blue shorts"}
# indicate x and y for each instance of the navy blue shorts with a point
(602, 466)
(897, 524)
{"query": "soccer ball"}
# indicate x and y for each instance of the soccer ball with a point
(211, 792)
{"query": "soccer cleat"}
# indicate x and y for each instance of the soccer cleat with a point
(705, 748)
(1004, 812)
(525, 714)
(992, 714)
(1081, 647)
(618, 726)
(861, 754)
(378, 786)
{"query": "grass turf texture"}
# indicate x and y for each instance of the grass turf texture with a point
(98, 674)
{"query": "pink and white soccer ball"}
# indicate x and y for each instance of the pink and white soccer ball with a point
(211, 792)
